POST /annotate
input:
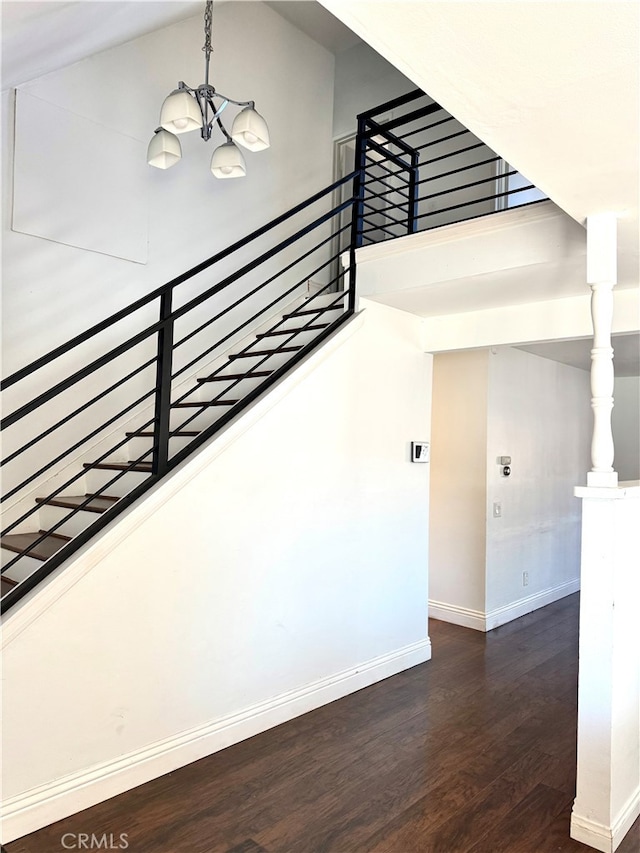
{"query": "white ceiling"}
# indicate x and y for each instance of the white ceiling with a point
(551, 86)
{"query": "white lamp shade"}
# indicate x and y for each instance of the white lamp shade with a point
(164, 150)
(250, 130)
(180, 113)
(228, 162)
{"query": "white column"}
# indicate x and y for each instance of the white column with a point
(602, 276)
(608, 772)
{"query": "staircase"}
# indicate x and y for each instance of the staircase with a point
(193, 354)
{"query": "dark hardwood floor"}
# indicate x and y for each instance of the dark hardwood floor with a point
(474, 751)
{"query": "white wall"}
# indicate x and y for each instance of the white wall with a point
(625, 424)
(283, 566)
(363, 80)
(191, 215)
(52, 291)
(457, 523)
(487, 404)
(539, 414)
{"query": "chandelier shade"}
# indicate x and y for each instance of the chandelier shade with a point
(187, 109)
(164, 149)
(228, 162)
(180, 112)
(250, 130)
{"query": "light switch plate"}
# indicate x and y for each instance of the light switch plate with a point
(419, 451)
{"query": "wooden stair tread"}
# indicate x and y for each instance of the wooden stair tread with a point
(19, 542)
(313, 311)
(7, 585)
(197, 404)
(254, 374)
(313, 328)
(179, 433)
(98, 503)
(260, 352)
(138, 468)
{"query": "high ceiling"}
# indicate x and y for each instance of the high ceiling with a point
(551, 86)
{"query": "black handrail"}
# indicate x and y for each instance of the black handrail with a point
(391, 193)
(397, 198)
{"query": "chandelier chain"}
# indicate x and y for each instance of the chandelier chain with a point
(208, 22)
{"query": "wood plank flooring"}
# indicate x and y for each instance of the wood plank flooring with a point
(473, 752)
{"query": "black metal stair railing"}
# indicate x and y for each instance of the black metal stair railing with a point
(423, 169)
(147, 386)
(246, 286)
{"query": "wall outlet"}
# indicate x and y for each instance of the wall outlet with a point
(525, 579)
(497, 509)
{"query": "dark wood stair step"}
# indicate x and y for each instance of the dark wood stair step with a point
(179, 433)
(138, 468)
(254, 374)
(98, 503)
(19, 542)
(199, 405)
(7, 585)
(313, 328)
(313, 311)
(260, 352)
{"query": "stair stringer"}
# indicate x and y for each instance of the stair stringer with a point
(344, 562)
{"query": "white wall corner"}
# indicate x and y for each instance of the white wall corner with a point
(463, 616)
(601, 837)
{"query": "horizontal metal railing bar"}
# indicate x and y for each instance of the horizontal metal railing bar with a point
(425, 127)
(384, 183)
(490, 179)
(76, 412)
(454, 153)
(79, 375)
(377, 129)
(451, 154)
(45, 534)
(440, 139)
(414, 115)
(457, 171)
(25, 586)
(224, 365)
(265, 256)
(78, 476)
(263, 357)
(159, 291)
(247, 322)
(378, 228)
(400, 204)
(393, 104)
(379, 164)
(476, 201)
(104, 359)
(206, 434)
(45, 468)
(258, 288)
(385, 155)
(384, 210)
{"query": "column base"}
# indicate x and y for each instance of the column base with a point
(602, 478)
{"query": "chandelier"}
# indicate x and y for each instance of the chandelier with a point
(187, 109)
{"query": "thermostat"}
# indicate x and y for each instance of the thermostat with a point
(419, 451)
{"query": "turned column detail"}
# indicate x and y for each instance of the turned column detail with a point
(601, 276)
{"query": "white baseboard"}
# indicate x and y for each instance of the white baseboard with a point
(481, 621)
(601, 837)
(53, 801)
(502, 615)
(456, 615)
